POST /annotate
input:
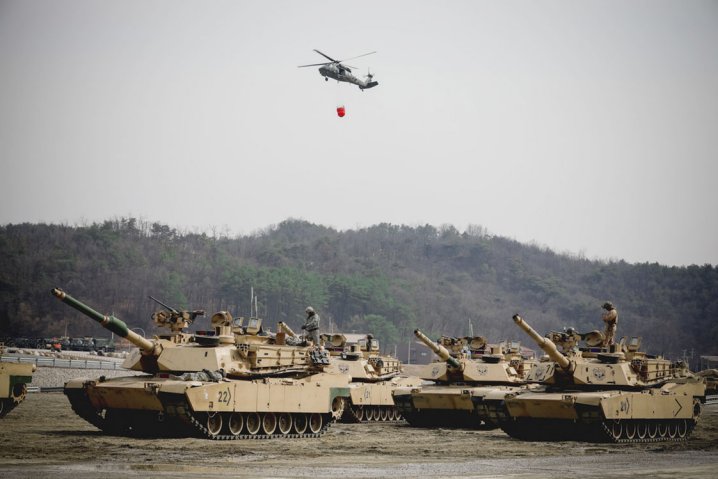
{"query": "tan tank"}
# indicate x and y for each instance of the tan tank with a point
(373, 376)
(234, 382)
(14, 379)
(596, 394)
(711, 378)
(467, 370)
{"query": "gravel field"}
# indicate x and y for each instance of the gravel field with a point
(44, 437)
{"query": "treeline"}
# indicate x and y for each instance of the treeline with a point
(385, 279)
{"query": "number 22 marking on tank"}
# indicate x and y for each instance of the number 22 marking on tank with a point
(224, 396)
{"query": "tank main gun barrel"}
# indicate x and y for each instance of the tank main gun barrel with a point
(110, 323)
(287, 330)
(544, 343)
(438, 349)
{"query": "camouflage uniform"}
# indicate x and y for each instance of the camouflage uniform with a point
(610, 317)
(311, 326)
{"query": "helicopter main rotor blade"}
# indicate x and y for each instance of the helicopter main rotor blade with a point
(327, 56)
(314, 64)
(358, 56)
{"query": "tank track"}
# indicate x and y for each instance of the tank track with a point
(365, 414)
(448, 419)
(83, 408)
(6, 405)
(615, 431)
(176, 406)
(442, 417)
(178, 420)
(17, 396)
(627, 431)
(191, 418)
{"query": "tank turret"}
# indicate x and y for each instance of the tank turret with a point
(439, 350)
(596, 394)
(233, 382)
(590, 367)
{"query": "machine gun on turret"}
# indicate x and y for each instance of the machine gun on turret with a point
(175, 320)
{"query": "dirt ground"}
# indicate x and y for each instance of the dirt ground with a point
(43, 437)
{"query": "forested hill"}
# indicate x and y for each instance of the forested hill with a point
(385, 279)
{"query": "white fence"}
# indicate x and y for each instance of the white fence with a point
(63, 363)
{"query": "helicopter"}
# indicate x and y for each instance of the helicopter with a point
(338, 71)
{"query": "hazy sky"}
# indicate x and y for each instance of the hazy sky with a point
(588, 127)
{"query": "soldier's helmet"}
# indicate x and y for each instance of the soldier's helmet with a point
(608, 306)
(309, 310)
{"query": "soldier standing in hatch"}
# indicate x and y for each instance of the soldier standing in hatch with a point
(610, 317)
(311, 325)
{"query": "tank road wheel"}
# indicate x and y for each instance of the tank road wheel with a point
(368, 413)
(235, 423)
(214, 423)
(615, 428)
(672, 429)
(371, 413)
(682, 428)
(662, 429)
(630, 429)
(652, 429)
(315, 423)
(697, 409)
(377, 413)
(269, 423)
(359, 413)
(338, 405)
(19, 391)
(254, 423)
(300, 423)
(284, 423)
(642, 430)
(384, 413)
